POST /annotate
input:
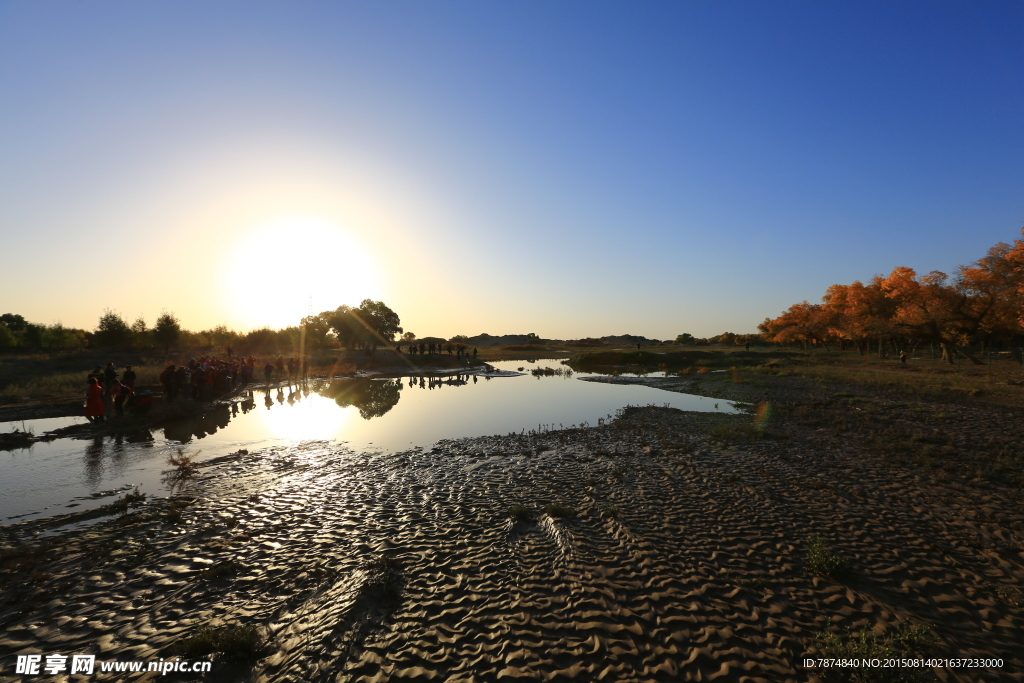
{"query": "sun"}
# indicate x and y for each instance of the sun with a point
(276, 271)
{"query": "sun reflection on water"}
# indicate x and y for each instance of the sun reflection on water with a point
(304, 420)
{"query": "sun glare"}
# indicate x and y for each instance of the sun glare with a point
(276, 270)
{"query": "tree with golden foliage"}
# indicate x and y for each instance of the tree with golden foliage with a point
(983, 303)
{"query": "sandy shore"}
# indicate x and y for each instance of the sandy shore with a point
(686, 559)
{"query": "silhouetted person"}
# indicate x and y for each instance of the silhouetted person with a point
(198, 381)
(168, 380)
(120, 392)
(181, 380)
(109, 375)
(94, 406)
(268, 370)
(128, 379)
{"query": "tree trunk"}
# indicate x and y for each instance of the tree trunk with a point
(949, 351)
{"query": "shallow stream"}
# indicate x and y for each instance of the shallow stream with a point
(66, 475)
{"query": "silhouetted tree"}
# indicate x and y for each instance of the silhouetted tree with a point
(140, 334)
(345, 327)
(13, 322)
(317, 328)
(7, 340)
(112, 332)
(167, 331)
(379, 321)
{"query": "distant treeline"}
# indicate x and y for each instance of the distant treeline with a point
(726, 338)
(370, 325)
(982, 304)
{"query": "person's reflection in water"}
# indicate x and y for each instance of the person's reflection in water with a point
(178, 431)
(93, 462)
(140, 436)
(475, 378)
(280, 395)
(234, 409)
(249, 403)
(291, 396)
(267, 401)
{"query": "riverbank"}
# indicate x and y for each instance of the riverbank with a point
(661, 546)
(62, 395)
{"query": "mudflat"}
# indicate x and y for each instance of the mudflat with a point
(663, 546)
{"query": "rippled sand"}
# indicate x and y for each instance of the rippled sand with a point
(700, 576)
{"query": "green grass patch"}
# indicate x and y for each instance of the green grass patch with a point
(903, 642)
(231, 643)
(124, 503)
(735, 432)
(520, 513)
(822, 561)
(559, 511)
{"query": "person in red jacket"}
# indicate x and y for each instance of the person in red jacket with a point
(94, 406)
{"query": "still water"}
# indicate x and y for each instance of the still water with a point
(386, 415)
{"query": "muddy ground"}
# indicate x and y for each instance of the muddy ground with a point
(664, 546)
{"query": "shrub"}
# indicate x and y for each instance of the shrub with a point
(905, 641)
(121, 505)
(520, 513)
(559, 510)
(821, 560)
(232, 643)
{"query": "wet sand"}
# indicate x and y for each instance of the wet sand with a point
(701, 575)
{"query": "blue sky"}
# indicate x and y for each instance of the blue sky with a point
(570, 169)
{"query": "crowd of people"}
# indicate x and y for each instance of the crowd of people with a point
(420, 348)
(203, 378)
(200, 379)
